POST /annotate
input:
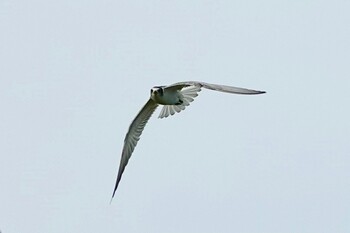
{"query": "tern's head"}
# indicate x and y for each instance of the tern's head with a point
(157, 91)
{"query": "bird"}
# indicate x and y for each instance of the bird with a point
(174, 98)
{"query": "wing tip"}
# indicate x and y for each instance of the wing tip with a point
(254, 92)
(114, 191)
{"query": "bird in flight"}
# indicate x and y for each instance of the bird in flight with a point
(174, 98)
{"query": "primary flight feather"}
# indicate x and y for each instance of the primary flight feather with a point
(174, 98)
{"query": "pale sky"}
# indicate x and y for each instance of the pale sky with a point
(73, 75)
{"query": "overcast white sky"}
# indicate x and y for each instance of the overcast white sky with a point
(73, 74)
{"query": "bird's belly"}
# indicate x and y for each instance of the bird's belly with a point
(167, 99)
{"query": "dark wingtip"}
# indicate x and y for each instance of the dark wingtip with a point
(110, 202)
(115, 189)
(254, 93)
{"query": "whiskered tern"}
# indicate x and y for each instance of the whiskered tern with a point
(174, 98)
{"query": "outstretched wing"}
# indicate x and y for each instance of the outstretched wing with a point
(215, 87)
(189, 90)
(133, 136)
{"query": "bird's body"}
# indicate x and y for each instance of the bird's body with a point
(174, 98)
(169, 97)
